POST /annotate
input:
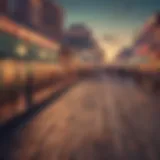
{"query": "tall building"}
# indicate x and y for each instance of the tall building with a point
(53, 19)
(16, 9)
(41, 15)
(3, 6)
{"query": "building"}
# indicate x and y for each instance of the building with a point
(148, 40)
(41, 15)
(79, 30)
(18, 10)
(53, 19)
(80, 38)
(125, 54)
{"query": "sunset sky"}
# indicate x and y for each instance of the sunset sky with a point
(117, 20)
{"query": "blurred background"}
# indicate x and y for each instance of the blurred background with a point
(106, 53)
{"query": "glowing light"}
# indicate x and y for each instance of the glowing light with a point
(21, 50)
(43, 54)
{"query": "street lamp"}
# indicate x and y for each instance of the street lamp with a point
(21, 50)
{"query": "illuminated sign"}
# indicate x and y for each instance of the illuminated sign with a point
(26, 34)
(21, 50)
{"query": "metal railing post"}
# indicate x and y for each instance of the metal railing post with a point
(1, 78)
(29, 86)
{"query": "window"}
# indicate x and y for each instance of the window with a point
(35, 12)
(50, 14)
(11, 5)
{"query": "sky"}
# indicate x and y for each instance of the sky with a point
(114, 22)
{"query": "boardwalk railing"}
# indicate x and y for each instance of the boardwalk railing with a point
(18, 96)
(148, 79)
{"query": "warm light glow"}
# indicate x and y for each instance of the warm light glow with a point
(43, 54)
(112, 50)
(21, 50)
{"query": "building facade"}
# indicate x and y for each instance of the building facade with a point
(80, 38)
(41, 15)
(148, 41)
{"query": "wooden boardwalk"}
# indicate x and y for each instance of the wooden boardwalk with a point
(99, 119)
